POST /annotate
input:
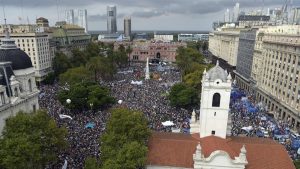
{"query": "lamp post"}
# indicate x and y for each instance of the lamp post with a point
(91, 105)
(68, 101)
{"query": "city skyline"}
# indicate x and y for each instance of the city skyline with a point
(146, 15)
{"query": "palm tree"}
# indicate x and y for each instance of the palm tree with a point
(128, 52)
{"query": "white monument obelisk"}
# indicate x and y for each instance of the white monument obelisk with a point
(147, 76)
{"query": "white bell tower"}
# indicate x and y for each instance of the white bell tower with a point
(215, 98)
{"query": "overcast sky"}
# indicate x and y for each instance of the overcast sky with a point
(146, 14)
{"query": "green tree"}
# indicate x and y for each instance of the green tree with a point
(107, 68)
(31, 140)
(187, 56)
(86, 95)
(91, 163)
(76, 75)
(49, 79)
(297, 164)
(123, 145)
(78, 58)
(61, 63)
(92, 50)
(183, 96)
(194, 76)
(94, 65)
(99, 96)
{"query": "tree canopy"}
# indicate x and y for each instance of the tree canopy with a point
(76, 75)
(187, 56)
(61, 63)
(31, 140)
(85, 95)
(183, 96)
(123, 145)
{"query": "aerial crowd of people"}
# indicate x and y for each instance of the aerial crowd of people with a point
(150, 97)
(132, 91)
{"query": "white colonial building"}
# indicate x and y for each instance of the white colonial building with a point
(214, 147)
(18, 91)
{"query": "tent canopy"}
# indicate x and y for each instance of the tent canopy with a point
(168, 123)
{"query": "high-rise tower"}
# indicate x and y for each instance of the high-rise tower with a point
(227, 16)
(127, 27)
(69, 16)
(111, 19)
(82, 19)
(236, 12)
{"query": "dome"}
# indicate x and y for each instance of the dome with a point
(217, 73)
(19, 59)
(10, 53)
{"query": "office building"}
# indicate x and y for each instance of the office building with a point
(36, 45)
(253, 20)
(245, 57)
(163, 38)
(236, 12)
(275, 73)
(295, 16)
(16, 73)
(42, 22)
(69, 16)
(193, 37)
(111, 19)
(68, 37)
(224, 43)
(82, 19)
(279, 87)
(127, 27)
(227, 16)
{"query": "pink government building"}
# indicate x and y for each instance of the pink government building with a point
(163, 51)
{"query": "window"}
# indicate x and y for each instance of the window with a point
(216, 100)
(16, 92)
(213, 132)
(30, 85)
(2, 97)
(215, 113)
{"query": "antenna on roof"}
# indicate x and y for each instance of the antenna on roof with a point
(57, 10)
(4, 16)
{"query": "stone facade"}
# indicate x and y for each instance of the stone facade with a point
(224, 44)
(163, 51)
(275, 72)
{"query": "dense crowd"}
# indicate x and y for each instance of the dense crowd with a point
(150, 98)
(250, 118)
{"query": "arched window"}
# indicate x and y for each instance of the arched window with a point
(16, 92)
(216, 100)
(30, 85)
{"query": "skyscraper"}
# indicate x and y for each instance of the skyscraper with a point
(227, 16)
(69, 16)
(127, 27)
(236, 12)
(82, 19)
(111, 19)
(295, 16)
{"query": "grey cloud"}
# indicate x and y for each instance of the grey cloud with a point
(99, 17)
(148, 14)
(155, 7)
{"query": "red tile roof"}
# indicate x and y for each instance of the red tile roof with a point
(176, 149)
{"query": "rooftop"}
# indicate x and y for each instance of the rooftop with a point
(176, 149)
